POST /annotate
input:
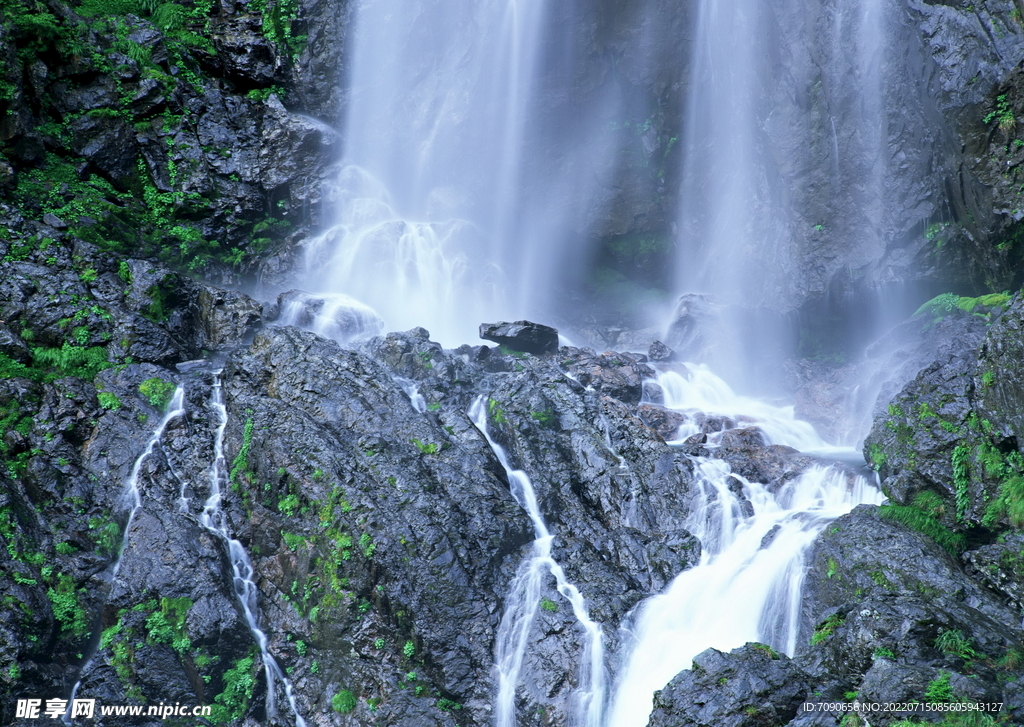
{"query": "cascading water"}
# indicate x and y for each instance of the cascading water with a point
(784, 171)
(461, 189)
(747, 585)
(131, 499)
(213, 519)
(523, 600)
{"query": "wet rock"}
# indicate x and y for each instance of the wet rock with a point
(226, 317)
(335, 316)
(748, 687)
(618, 375)
(660, 352)
(522, 336)
(664, 421)
(878, 591)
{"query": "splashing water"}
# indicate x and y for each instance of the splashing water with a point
(747, 585)
(523, 601)
(214, 520)
(696, 389)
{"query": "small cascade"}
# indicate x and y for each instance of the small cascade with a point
(214, 519)
(696, 390)
(747, 585)
(331, 315)
(524, 599)
(412, 390)
(131, 500)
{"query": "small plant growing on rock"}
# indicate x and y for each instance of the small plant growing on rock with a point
(548, 605)
(108, 401)
(344, 702)
(955, 643)
(826, 629)
(939, 689)
(409, 649)
(157, 392)
(428, 448)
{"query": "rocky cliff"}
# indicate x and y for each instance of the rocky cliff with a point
(157, 157)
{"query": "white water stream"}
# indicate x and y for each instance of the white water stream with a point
(214, 520)
(747, 585)
(131, 499)
(524, 598)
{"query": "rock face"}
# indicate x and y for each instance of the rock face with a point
(749, 687)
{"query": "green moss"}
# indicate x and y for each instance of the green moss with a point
(108, 400)
(344, 702)
(157, 392)
(548, 605)
(922, 522)
(961, 463)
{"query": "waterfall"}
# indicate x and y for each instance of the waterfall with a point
(214, 519)
(467, 168)
(524, 598)
(131, 497)
(747, 585)
(784, 155)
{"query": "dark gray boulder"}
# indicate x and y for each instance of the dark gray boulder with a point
(749, 687)
(524, 336)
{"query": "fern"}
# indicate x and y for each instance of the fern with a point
(69, 360)
(961, 479)
(922, 522)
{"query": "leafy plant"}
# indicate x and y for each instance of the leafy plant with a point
(826, 628)
(108, 400)
(548, 605)
(409, 649)
(429, 448)
(344, 702)
(157, 392)
(939, 689)
(239, 684)
(955, 643)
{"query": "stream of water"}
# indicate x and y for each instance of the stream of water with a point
(524, 598)
(214, 519)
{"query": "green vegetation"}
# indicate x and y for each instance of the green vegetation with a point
(545, 418)
(939, 689)
(495, 412)
(157, 392)
(409, 649)
(961, 479)
(884, 653)
(239, 683)
(955, 643)
(378, 644)
(65, 601)
(344, 702)
(448, 705)
(948, 303)
(1001, 114)
(548, 605)
(108, 400)
(826, 628)
(430, 448)
(766, 649)
(922, 522)
(833, 568)
(240, 463)
(167, 625)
